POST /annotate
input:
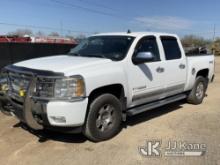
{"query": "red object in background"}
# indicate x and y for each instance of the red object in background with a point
(51, 40)
(14, 39)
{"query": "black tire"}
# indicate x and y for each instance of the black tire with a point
(104, 118)
(196, 97)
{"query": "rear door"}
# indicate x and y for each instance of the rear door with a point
(174, 65)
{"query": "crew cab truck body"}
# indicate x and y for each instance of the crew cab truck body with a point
(102, 81)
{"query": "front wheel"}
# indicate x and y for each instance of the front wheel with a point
(197, 94)
(104, 118)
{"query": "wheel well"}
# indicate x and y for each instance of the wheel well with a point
(116, 89)
(203, 72)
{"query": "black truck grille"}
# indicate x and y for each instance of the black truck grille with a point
(20, 78)
(18, 83)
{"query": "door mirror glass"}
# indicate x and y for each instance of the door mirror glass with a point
(143, 57)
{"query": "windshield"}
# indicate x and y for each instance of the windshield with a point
(112, 47)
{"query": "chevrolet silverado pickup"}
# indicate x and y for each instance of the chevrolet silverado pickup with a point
(103, 80)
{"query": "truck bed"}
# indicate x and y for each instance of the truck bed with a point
(196, 63)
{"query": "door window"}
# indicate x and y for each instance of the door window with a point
(148, 44)
(171, 48)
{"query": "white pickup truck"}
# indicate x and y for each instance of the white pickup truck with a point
(102, 81)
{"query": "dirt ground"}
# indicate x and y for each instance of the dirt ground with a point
(176, 122)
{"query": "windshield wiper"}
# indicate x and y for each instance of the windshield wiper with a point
(74, 54)
(95, 55)
(88, 55)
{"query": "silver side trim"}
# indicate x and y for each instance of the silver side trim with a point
(161, 93)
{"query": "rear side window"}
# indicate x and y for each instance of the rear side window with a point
(171, 48)
(148, 44)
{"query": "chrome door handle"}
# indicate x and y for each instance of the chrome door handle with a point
(160, 70)
(182, 66)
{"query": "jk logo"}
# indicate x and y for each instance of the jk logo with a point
(152, 148)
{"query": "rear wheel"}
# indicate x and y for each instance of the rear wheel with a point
(197, 94)
(104, 118)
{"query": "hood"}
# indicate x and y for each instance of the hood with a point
(62, 63)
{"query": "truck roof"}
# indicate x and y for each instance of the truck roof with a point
(135, 34)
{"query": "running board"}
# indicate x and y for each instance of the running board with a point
(156, 104)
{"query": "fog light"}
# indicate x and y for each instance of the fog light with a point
(3, 87)
(22, 92)
(58, 119)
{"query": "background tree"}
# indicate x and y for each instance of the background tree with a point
(21, 32)
(195, 41)
(54, 34)
(216, 47)
(40, 34)
(195, 45)
(70, 37)
(80, 37)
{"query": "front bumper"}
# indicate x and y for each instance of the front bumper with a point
(72, 113)
(61, 114)
(51, 115)
(39, 114)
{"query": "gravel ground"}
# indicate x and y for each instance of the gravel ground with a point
(176, 122)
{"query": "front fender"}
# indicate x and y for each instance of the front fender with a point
(105, 77)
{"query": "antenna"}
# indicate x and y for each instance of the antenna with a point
(129, 31)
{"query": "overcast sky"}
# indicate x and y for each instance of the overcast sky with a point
(88, 16)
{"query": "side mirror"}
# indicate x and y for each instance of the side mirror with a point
(143, 57)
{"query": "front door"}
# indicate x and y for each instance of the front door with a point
(145, 80)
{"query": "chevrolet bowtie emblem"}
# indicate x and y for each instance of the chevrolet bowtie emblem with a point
(21, 92)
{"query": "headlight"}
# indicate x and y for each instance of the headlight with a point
(61, 88)
(69, 88)
(45, 88)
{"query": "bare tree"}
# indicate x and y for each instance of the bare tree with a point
(69, 36)
(194, 41)
(80, 37)
(54, 34)
(196, 45)
(21, 32)
(216, 47)
(40, 34)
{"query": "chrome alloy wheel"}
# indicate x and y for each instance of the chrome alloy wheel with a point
(105, 117)
(200, 89)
